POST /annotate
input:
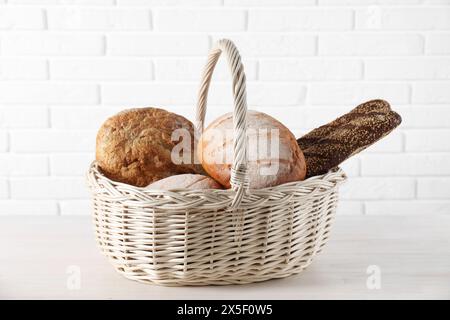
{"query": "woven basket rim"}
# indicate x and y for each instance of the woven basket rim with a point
(332, 178)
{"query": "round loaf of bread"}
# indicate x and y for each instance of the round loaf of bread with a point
(273, 154)
(185, 181)
(135, 146)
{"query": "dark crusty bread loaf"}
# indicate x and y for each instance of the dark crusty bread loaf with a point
(329, 145)
(135, 145)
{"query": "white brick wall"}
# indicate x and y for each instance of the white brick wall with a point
(66, 65)
(109, 19)
(46, 43)
(304, 19)
(200, 20)
(102, 69)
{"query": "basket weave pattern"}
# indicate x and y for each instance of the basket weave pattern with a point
(214, 237)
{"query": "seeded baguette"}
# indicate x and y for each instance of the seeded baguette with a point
(329, 145)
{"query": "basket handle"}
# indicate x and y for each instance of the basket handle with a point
(239, 172)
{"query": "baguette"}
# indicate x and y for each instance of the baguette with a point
(329, 145)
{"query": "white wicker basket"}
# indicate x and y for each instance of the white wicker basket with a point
(214, 237)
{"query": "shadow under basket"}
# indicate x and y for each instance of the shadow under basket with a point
(214, 237)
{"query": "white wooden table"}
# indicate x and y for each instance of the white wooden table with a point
(39, 255)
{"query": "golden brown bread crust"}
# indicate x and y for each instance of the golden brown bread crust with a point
(331, 144)
(290, 162)
(134, 146)
(185, 181)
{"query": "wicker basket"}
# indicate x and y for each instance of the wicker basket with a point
(214, 237)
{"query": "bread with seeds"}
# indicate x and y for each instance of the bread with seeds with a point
(136, 146)
(329, 145)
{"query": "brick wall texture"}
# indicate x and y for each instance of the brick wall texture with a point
(66, 65)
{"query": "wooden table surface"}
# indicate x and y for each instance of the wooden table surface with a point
(40, 255)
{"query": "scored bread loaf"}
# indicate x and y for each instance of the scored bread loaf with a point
(273, 154)
(185, 181)
(329, 145)
(135, 146)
